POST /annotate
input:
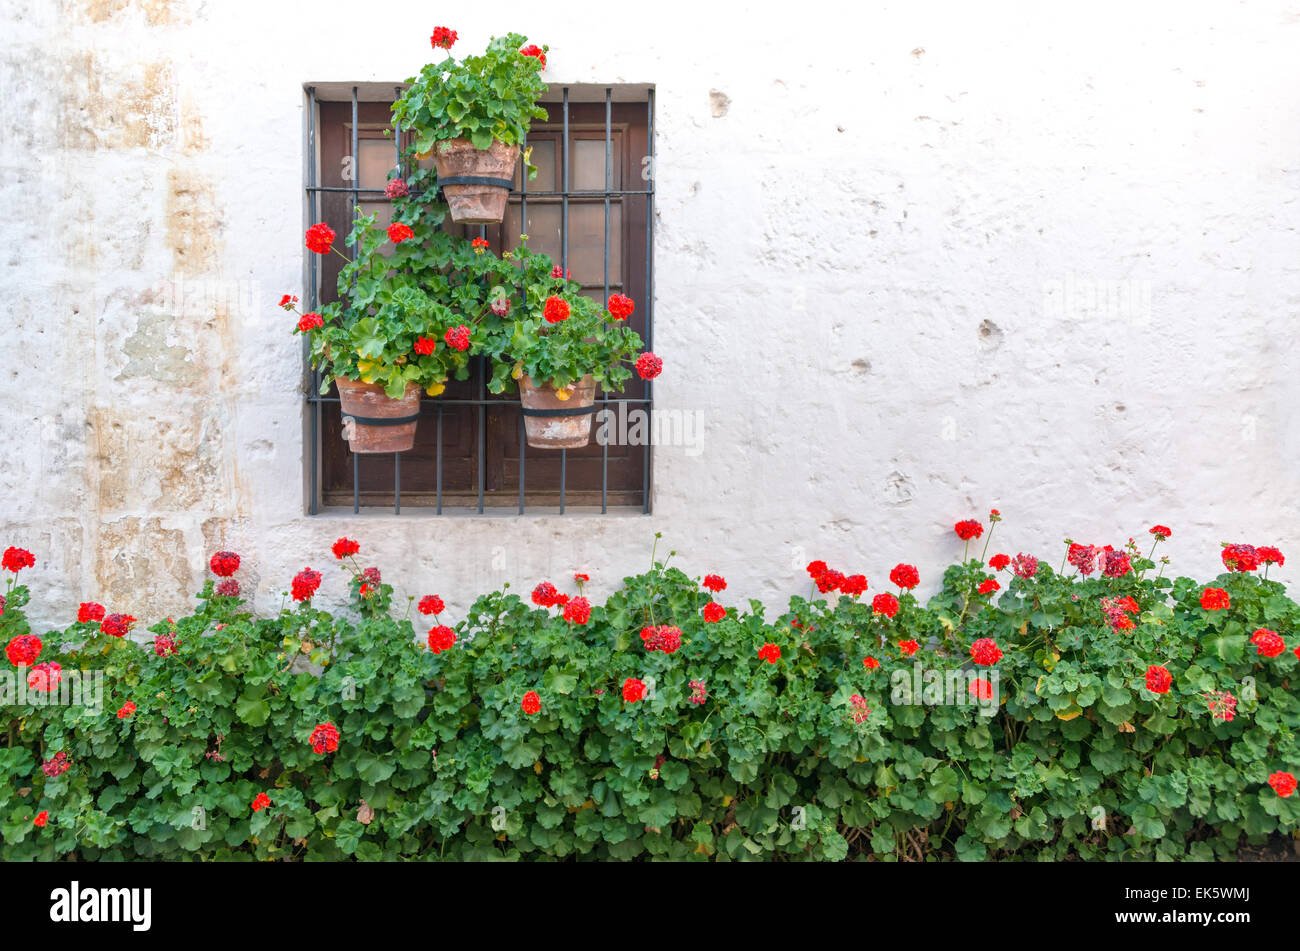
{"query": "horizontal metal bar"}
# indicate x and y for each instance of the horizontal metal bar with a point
(505, 403)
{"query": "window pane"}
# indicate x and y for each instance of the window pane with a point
(588, 157)
(587, 241)
(544, 158)
(544, 221)
(378, 158)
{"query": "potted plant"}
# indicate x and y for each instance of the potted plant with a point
(557, 345)
(472, 116)
(405, 323)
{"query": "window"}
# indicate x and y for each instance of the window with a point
(591, 208)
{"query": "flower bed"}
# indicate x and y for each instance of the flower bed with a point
(1099, 711)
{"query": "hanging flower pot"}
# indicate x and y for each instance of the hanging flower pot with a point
(552, 422)
(373, 422)
(475, 182)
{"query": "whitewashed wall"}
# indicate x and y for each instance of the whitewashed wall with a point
(873, 272)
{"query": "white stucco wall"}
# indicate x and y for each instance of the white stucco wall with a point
(861, 273)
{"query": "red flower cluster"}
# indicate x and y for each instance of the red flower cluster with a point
(909, 647)
(699, 692)
(345, 547)
(1222, 704)
(431, 604)
(905, 576)
(1115, 562)
(633, 690)
(261, 802)
(320, 238)
(480, 245)
(56, 765)
(985, 652)
(224, 564)
(770, 653)
(1215, 599)
(545, 595)
(1159, 679)
(305, 584)
(982, 689)
(396, 188)
(714, 612)
(443, 38)
(620, 306)
(43, 678)
(288, 300)
(310, 322)
(16, 559)
(325, 738)
(117, 625)
(228, 588)
(1268, 555)
(998, 562)
(714, 582)
(531, 703)
(532, 49)
(124, 712)
(42, 817)
(1267, 643)
(1024, 566)
(989, 585)
(441, 638)
(165, 644)
(1161, 532)
(1083, 557)
(558, 273)
(1283, 783)
(425, 346)
(1117, 611)
(398, 232)
(664, 638)
(89, 611)
(649, 366)
(860, 710)
(854, 585)
(968, 529)
(555, 310)
(457, 337)
(885, 604)
(23, 650)
(1240, 557)
(577, 611)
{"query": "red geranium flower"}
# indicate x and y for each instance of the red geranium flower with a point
(561, 600)
(43, 678)
(117, 625)
(854, 585)
(532, 49)
(1283, 783)
(1268, 555)
(714, 612)
(126, 710)
(23, 650)
(310, 322)
(320, 238)
(56, 765)
(968, 529)
(1222, 705)
(431, 604)
(620, 306)
(988, 586)
(441, 638)
(261, 802)
(89, 611)
(398, 232)
(555, 310)
(1161, 532)
(16, 559)
(164, 644)
(663, 638)
(42, 817)
(715, 582)
(1114, 563)
(829, 580)
(443, 38)
(1159, 679)
(1267, 643)
(985, 652)
(425, 345)
(531, 703)
(885, 604)
(1083, 557)
(649, 366)
(1215, 599)
(345, 547)
(457, 337)
(228, 588)
(578, 611)
(1240, 557)
(288, 300)
(699, 692)
(1024, 566)
(224, 564)
(325, 738)
(544, 595)
(770, 653)
(816, 569)
(633, 690)
(909, 647)
(998, 562)
(870, 663)
(305, 584)
(982, 689)
(905, 576)
(396, 188)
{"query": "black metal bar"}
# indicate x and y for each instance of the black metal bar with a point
(482, 420)
(312, 202)
(440, 457)
(397, 166)
(571, 193)
(564, 254)
(523, 296)
(397, 483)
(604, 446)
(335, 399)
(356, 483)
(356, 168)
(649, 287)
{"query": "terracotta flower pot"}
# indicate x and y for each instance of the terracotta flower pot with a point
(553, 423)
(373, 422)
(475, 182)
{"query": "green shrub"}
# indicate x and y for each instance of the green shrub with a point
(437, 759)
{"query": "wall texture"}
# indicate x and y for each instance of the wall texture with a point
(913, 260)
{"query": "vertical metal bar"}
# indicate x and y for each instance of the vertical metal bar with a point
(439, 464)
(649, 289)
(397, 483)
(604, 447)
(523, 229)
(482, 428)
(564, 252)
(356, 483)
(313, 408)
(356, 170)
(397, 138)
(397, 165)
